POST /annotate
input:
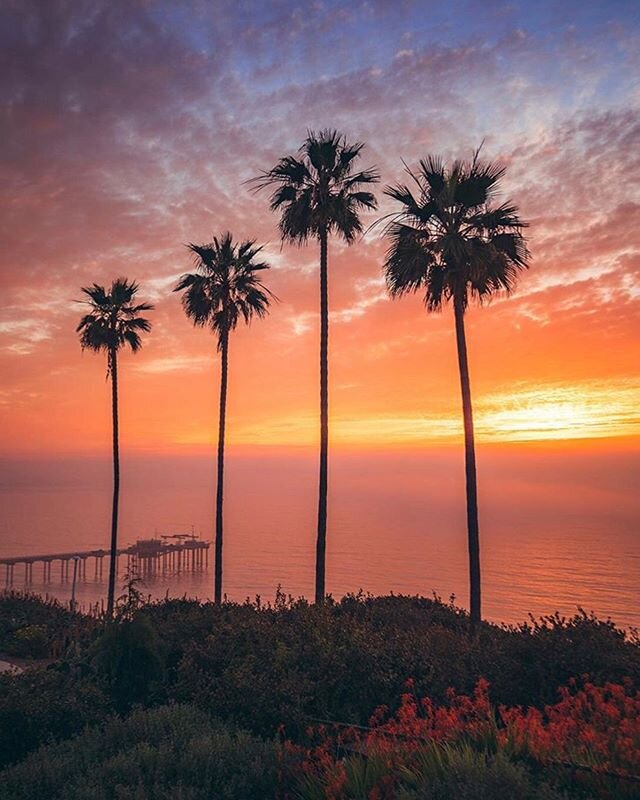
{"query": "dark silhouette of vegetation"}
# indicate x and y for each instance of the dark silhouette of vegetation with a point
(158, 754)
(319, 192)
(451, 242)
(127, 656)
(225, 288)
(258, 667)
(113, 322)
(22, 613)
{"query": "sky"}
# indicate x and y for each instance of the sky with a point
(130, 128)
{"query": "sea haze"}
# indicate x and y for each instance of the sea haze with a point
(559, 528)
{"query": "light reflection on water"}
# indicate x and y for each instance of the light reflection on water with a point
(558, 530)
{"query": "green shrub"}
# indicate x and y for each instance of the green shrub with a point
(465, 774)
(39, 706)
(35, 628)
(536, 658)
(168, 753)
(260, 666)
(32, 641)
(451, 772)
(127, 656)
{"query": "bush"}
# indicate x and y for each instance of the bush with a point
(31, 627)
(533, 660)
(587, 744)
(32, 641)
(127, 657)
(468, 775)
(455, 772)
(39, 706)
(169, 753)
(260, 667)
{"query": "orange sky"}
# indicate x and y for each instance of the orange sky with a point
(110, 169)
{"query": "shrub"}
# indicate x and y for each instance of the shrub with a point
(32, 641)
(261, 666)
(168, 753)
(39, 706)
(465, 774)
(128, 658)
(455, 772)
(588, 743)
(35, 628)
(536, 658)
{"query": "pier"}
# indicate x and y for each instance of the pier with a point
(146, 558)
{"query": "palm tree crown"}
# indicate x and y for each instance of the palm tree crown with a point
(448, 239)
(319, 190)
(226, 286)
(114, 320)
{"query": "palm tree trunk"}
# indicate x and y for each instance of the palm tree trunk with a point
(224, 349)
(116, 483)
(470, 470)
(321, 542)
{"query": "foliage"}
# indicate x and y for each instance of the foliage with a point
(591, 726)
(32, 641)
(31, 627)
(226, 286)
(40, 705)
(467, 748)
(448, 239)
(260, 666)
(171, 752)
(128, 658)
(319, 192)
(114, 320)
(538, 657)
(455, 772)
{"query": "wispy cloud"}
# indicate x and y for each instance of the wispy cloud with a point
(111, 162)
(156, 366)
(20, 337)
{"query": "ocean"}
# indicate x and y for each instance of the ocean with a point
(559, 525)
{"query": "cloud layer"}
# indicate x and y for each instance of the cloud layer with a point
(128, 129)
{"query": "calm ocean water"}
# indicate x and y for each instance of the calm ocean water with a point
(559, 529)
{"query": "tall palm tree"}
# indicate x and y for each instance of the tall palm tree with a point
(319, 192)
(224, 289)
(450, 241)
(113, 322)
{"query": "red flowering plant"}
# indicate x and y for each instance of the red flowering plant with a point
(592, 728)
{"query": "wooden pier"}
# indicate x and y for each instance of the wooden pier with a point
(146, 558)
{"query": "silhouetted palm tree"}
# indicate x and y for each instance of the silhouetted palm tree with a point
(451, 242)
(113, 323)
(224, 289)
(319, 193)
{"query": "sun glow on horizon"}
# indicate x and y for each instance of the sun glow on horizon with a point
(595, 410)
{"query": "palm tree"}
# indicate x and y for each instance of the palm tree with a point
(452, 242)
(319, 192)
(112, 323)
(224, 289)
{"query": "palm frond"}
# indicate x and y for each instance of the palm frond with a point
(448, 239)
(318, 190)
(225, 287)
(113, 320)
(408, 260)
